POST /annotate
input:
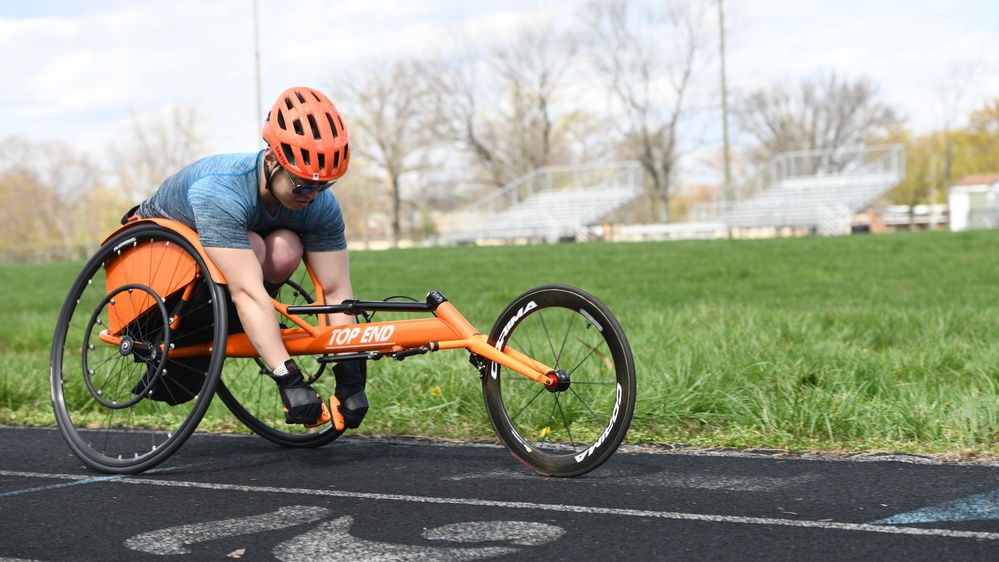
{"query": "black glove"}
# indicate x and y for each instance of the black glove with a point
(351, 378)
(301, 402)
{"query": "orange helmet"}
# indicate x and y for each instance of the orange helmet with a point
(307, 135)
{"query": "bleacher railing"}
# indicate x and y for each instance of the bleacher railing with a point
(555, 178)
(887, 160)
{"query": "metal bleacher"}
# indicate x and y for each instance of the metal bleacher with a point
(551, 204)
(818, 191)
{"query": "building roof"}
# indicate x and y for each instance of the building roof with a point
(977, 179)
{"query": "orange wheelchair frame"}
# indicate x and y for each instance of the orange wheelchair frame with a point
(447, 330)
(153, 271)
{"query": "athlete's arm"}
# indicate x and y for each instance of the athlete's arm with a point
(332, 270)
(255, 308)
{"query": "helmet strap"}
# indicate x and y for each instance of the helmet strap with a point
(268, 175)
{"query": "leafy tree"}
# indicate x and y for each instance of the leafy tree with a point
(983, 138)
(923, 171)
(938, 159)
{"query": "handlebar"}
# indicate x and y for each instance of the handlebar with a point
(356, 307)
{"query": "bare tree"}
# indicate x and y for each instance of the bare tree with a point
(648, 52)
(364, 200)
(500, 102)
(950, 93)
(387, 109)
(819, 114)
(157, 148)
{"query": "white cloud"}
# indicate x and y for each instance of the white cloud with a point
(77, 76)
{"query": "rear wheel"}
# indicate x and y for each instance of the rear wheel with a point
(572, 429)
(122, 402)
(252, 396)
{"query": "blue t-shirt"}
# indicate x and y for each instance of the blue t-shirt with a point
(218, 196)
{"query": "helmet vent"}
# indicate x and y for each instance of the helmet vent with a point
(336, 132)
(336, 159)
(298, 127)
(306, 161)
(280, 120)
(289, 154)
(315, 128)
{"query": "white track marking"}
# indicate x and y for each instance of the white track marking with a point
(172, 540)
(333, 539)
(517, 532)
(649, 514)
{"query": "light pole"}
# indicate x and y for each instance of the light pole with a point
(724, 101)
(256, 55)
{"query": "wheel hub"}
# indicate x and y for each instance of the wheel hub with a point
(127, 346)
(559, 381)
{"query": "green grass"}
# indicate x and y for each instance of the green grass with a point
(835, 344)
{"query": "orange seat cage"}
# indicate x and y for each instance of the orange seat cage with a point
(162, 266)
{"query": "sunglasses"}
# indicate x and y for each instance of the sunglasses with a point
(307, 188)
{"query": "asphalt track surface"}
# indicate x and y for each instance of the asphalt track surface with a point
(227, 497)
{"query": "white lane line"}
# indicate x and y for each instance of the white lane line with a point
(827, 525)
(76, 480)
(667, 480)
(736, 519)
(41, 475)
(712, 482)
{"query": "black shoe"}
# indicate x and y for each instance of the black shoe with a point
(302, 403)
(352, 402)
(353, 409)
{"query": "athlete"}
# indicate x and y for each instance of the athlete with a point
(257, 215)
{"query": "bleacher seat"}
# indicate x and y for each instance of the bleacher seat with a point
(823, 202)
(569, 212)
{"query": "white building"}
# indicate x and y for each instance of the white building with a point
(973, 202)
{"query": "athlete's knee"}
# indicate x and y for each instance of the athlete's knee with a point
(284, 252)
(258, 245)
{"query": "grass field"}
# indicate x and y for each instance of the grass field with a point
(862, 343)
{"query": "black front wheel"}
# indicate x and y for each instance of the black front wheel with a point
(570, 429)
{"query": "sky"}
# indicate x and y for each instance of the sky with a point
(79, 72)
